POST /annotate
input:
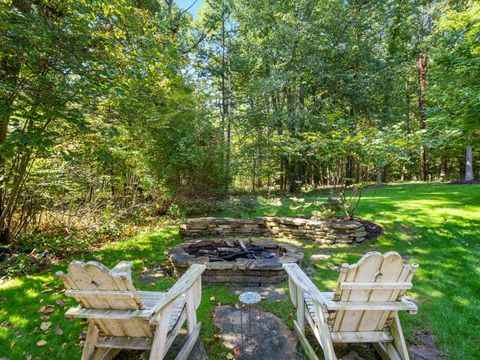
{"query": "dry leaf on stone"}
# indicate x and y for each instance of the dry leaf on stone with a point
(45, 325)
(41, 343)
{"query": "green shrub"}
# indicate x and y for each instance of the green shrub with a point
(18, 264)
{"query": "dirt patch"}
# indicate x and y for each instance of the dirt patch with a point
(463, 182)
(268, 293)
(373, 229)
(150, 276)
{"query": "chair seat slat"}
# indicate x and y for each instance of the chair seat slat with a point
(360, 337)
(346, 285)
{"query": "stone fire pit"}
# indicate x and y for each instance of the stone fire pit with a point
(252, 262)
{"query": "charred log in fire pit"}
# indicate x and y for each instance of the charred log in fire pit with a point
(231, 250)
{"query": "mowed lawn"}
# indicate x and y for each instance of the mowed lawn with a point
(436, 225)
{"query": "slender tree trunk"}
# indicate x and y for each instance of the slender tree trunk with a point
(469, 164)
(9, 72)
(225, 104)
(5, 215)
(404, 172)
(422, 63)
(349, 170)
(228, 139)
(379, 176)
(443, 168)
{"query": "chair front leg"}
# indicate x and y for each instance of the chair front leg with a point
(323, 333)
(90, 341)
(159, 345)
(191, 310)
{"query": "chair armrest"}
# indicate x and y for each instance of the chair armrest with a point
(123, 267)
(181, 286)
(412, 307)
(302, 281)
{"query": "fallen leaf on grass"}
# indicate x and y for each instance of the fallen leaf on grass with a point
(5, 324)
(47, 290)
(45, 325)
(3, 299)
(42, 309)
(58, 331)
(230, 356)
(44, 317)
(60, 302)
(41, 343)
(212, 298)
(82, 335)
(48, 310)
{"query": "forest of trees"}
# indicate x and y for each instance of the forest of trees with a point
(130, 106)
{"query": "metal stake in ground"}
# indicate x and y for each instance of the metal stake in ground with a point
(247, 299)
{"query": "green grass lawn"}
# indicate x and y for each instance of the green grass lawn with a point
(436, 225)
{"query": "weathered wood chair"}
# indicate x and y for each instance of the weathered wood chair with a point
(120, 317)
(362, 309)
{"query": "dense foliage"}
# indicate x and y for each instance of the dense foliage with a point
(95, 112)
(128, 109)
(316, 92)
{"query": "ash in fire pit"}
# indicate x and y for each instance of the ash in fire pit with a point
(253, 262)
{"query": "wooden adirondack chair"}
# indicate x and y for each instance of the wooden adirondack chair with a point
(120, 317)
(362, 309)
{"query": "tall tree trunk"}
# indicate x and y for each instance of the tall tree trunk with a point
(349, 170)
(422, 63)
(443, 168)
(379, 176)
(228, 138)
(9, 71)
(469, 164)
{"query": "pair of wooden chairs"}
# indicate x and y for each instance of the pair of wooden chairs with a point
(363, 308)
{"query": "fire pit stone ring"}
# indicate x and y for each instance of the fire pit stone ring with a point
(243, 261)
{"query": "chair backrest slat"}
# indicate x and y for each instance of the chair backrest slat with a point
(96, 287)
(374, 278)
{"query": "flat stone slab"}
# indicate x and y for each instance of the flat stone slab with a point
(268, 293)
(150, 276)
(426, 349)
(321, 255)
(270, 337)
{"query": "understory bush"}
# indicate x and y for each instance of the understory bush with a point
(340, 201)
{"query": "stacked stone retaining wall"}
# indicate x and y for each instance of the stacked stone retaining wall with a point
(336, 231)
